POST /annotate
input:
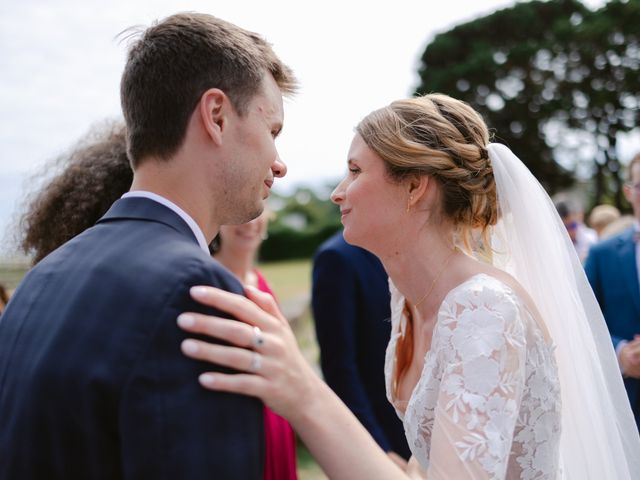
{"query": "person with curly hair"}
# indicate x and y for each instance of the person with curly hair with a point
(88, 179)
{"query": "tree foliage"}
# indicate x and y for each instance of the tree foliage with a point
(544, 72)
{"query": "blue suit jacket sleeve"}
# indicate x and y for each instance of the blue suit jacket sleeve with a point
(167, 419)
(334, 310)
(593, 269)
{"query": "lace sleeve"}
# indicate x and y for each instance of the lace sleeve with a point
(481, 352)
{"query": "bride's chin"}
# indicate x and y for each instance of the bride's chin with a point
(352, 239)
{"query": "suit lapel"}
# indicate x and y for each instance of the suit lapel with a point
(139, 208)
(628, 266)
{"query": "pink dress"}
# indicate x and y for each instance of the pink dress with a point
(280, 441)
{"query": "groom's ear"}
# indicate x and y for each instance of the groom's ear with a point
(213, 108)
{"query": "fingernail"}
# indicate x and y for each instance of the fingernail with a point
(198, 291)
(206, 379)
(185, 320)
(189, 346)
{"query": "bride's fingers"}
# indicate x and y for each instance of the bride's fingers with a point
(232, 331)
(265, 301)
(236, 305)
(239, 359)
(243, 384)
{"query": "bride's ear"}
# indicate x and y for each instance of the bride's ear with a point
(418, 186)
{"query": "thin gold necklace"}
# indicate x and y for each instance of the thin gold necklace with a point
(435, 280)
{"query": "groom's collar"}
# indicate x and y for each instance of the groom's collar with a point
(150, 206)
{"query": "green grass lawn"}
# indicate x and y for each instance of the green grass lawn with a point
(10, 275)
(289, 279)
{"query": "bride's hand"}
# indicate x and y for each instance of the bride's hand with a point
(263, 348)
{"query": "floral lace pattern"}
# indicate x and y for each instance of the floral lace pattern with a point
(487, 404)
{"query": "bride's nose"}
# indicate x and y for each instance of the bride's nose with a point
(337, 196)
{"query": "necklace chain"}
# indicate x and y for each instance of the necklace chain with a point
(435, 280)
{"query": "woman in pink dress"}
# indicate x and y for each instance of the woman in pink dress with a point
(236, 247)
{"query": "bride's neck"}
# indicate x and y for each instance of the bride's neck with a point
(414, 263)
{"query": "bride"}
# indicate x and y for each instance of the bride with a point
(499, 363)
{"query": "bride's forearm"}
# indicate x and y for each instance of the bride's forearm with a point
(338, 441)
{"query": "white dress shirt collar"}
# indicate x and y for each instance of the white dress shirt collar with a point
(197, 231)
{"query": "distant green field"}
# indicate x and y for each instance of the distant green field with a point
(10, 275)
(289, 279)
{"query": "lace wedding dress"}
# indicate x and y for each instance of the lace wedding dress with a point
(487, 404)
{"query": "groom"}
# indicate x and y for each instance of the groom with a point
(92, 380)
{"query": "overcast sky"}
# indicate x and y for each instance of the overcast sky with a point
(61, 67)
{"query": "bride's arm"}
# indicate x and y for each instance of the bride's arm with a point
(482, 379)
(284, 381)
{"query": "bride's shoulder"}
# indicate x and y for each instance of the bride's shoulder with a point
(493, 290)
(483, 289)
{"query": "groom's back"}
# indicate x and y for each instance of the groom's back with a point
(92, 380)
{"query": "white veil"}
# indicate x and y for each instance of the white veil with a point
(599, 435)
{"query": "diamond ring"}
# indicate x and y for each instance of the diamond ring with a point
(258, 339)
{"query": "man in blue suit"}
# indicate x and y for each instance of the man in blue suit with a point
(93, 384)
(613, 271)
(352, 317)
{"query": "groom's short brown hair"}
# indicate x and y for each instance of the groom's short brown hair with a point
(174, 62)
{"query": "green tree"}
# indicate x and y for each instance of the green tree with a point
(539, 71)
(601, 92)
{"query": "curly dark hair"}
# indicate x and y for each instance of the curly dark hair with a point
(90, 177)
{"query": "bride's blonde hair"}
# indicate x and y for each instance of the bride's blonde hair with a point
(446, 139)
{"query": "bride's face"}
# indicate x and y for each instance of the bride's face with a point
(370, 203)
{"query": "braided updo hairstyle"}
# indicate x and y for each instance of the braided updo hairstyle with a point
(444, 138)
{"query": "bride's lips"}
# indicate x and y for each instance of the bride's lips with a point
(344, 212)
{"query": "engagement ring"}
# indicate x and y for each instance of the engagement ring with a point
(258, 339)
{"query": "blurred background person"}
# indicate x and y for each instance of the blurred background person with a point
(236, 247)
(613, 271)
(88, 179)
(582, 236)
(601, 216)
(617, 226)
(350, 301)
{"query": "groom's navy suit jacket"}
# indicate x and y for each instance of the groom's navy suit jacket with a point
(93, 384)
(613, 273)
(351, 308)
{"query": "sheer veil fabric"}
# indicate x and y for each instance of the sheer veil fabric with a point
(599, 438)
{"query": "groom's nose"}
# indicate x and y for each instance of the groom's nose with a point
(279, 168)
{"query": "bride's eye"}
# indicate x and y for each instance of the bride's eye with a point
(354, 170)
